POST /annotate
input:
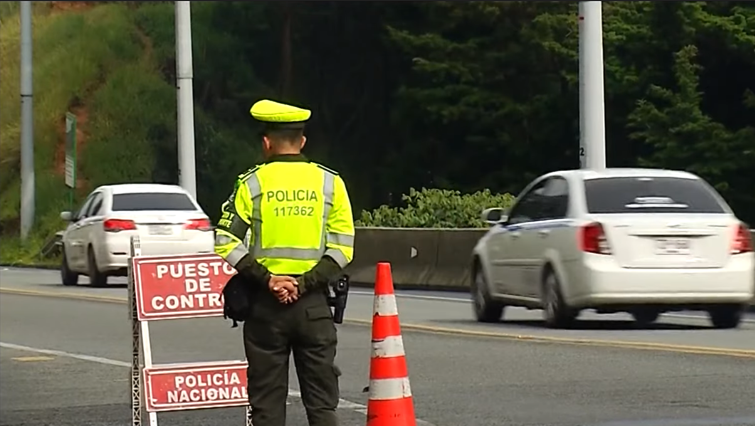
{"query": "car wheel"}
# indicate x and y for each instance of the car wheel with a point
(97, 278)
(727, 316)
(644, 317)
(485, 308)
(556, 313)
(68, 277)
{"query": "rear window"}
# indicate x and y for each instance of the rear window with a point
(650, 195)
(152, 201)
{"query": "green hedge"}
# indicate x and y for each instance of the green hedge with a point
(436, 208)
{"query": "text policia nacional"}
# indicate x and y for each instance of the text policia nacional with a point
(197, 280)
(211, 386)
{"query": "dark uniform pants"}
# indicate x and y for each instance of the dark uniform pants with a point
(275, 330)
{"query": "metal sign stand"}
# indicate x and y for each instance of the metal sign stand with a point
(141, 344)
(136, 382)
(140, 341)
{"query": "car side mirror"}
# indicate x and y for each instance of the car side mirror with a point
(494, 216)
(66, 216)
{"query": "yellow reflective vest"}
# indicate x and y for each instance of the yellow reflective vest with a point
(297, 211)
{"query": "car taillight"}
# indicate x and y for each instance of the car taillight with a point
(118, 225)
(593, 239)
(199, 225)
(742, 240)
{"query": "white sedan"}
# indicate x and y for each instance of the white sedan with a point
(96, 242)
(642, 241)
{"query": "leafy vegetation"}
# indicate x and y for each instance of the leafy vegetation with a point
(465, 97)
(436, 208)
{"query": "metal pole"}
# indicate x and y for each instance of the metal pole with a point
(592, 128)
(184, 72)
(27, 124)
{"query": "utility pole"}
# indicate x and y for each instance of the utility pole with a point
(187, 174)
(592, 126)
(27, 124)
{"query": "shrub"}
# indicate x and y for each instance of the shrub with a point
(436, 208)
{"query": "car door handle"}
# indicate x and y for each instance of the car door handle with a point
(515, 234)
(543, 233)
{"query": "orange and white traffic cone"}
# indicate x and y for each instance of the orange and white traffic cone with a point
(390, 396)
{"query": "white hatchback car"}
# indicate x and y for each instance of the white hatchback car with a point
(166, 218)
(642, 241)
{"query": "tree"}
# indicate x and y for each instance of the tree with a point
(699, 119)
(685, 138)
(490, 102)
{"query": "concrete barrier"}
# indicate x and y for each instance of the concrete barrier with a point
(412, 253)
(454, 260)
(426, 259)
(421, 259)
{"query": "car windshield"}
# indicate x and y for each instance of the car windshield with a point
(154, 201)
(650, 195)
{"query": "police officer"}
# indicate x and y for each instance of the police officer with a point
(302, 236)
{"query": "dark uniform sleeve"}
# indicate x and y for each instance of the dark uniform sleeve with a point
(231, 231)
(339, 241)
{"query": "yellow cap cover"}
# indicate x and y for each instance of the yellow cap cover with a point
(274, 112)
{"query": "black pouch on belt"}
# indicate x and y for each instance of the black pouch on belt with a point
(237, 300)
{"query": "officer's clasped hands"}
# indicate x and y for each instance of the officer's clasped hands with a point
(284, 288)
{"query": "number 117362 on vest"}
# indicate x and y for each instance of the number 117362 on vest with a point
(294, 210)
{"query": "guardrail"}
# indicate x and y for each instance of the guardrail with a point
(53, 246)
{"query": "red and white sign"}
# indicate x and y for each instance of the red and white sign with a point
(171, 287)
(195, 386)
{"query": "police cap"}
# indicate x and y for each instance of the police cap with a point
(278, 116)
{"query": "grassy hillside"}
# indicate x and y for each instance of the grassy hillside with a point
(112, 65)
(93, 61)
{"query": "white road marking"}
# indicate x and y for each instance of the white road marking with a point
(82, 357)
(342, 403)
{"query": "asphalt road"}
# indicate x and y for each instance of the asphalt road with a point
(62, 362)
(451, 312)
